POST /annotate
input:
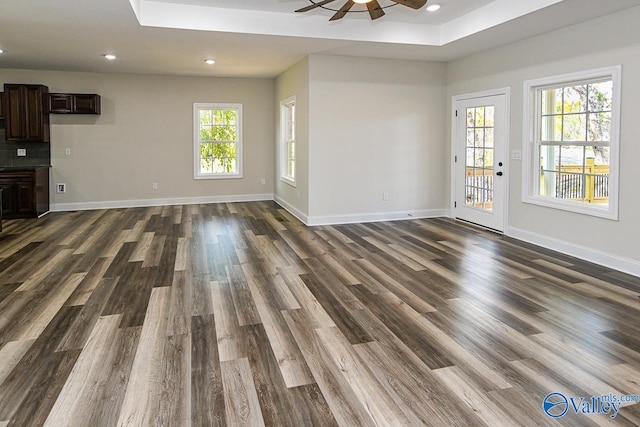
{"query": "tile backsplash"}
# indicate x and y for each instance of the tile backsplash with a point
(38, 153)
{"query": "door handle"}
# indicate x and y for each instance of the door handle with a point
(499, 173)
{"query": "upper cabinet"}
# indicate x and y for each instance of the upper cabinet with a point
(25, 109)
(74, 103)
(60, 103)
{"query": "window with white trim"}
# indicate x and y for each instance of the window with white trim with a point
(217, 141)
(288, 145)
(571, 130)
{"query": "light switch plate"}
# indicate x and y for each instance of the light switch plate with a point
(516, 155)
(22, 152)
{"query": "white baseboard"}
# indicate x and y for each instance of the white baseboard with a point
(305, 219)
(290, 208)
(355, 218)
(626, 265)
(377, 217)
(115, 204)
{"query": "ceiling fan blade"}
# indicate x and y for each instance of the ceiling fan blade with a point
(375, 11)
(313, 6)
(343, 11)
(414, 4)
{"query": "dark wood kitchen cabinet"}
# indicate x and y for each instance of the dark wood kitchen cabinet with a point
(74, 103)
(60, 103)
(25, 193)
(26, 112)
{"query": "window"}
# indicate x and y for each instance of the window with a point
(288, 146)
(571, 142)
(217, 141)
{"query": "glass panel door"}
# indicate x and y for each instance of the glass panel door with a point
(480, 143)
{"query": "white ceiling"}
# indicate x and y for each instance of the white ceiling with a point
(262, 38)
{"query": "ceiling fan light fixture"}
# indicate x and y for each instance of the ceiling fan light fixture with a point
(433, 7)
(361, 1)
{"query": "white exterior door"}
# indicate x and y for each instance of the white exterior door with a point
(480, 159)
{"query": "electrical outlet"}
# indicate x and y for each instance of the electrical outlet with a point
(516, 155)
(67, 152)
(154, 186)
(22, 152)
(264, 181)
(61, 188)
(385, 196)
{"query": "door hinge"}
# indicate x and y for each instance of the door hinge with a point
(456, 113)
(455, 159)
(455, 204)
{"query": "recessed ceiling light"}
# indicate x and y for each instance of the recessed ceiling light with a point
(1, 51)
(210, 61)
(109, 56)
(433, 7)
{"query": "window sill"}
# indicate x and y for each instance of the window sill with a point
(218, 176)
(607, 212)
(289, 181)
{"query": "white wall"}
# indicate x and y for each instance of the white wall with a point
(294, 82)
(609, 40)
(376, 126)
(145, 135)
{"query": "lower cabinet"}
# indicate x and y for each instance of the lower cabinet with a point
(25, 194)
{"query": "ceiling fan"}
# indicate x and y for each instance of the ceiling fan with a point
(375, 10)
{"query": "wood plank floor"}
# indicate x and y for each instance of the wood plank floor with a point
(237, 314)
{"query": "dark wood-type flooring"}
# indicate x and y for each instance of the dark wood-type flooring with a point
(237, 314)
